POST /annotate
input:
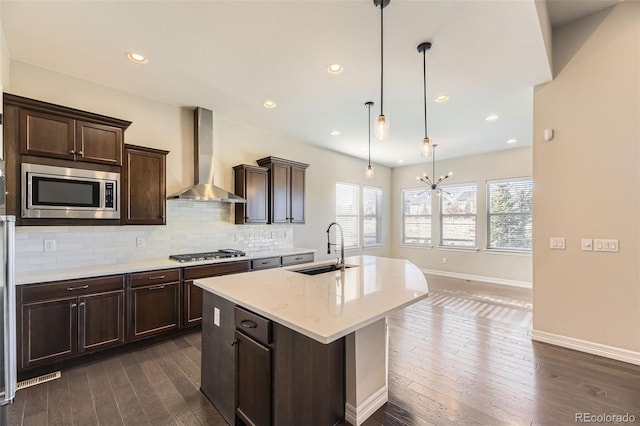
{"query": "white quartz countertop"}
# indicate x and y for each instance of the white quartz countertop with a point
(328, 306)
(146, 265)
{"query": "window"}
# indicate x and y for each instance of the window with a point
(371, 222)
(348, 213)
(509, 219)
(458, 215)
(416, 216)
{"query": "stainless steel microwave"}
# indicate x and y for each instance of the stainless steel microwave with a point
(69, 193)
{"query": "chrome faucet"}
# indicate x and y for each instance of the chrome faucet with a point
(340, 261)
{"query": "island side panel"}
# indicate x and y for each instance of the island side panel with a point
(308, 379)
(218, 356)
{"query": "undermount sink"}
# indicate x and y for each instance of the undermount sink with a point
(319, 269)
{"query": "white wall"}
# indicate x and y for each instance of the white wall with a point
(170, 127)
(513, 269)
(587, 186)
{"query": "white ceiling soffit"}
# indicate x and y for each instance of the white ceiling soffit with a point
(230, 56)
(564, 11)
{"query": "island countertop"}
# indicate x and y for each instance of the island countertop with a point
(325, 307)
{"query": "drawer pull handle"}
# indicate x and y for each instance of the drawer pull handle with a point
(264, 263)
(82, 287)
(297, 258)
(159, 277)
(248, 324)
(157, 287)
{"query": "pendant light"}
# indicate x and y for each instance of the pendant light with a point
(382, 122)
(431, 181)
(369, 173)
(427, 147)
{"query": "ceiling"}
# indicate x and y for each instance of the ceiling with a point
(231, 56)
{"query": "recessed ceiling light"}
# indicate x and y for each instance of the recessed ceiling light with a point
(138, 58)
(335, 133)
(269, 104)
(492, 117)
(334, 68)
(442, 98)
(512, 141)
(400, 161)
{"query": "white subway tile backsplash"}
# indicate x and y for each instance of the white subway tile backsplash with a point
(191, 227)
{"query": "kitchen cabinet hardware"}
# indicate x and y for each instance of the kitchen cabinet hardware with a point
(73, 305)
(248, 324)
(157, 287)
(81, 303)
(82, 287)
(159, 277)
(234, 342)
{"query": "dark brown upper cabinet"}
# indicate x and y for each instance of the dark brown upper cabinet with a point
(144, 183)
(57, 132)
(286, 189)
(252, 184)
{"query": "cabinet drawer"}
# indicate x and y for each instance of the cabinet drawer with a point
(155, 277)
(253, 325)
(31, 293)
(267, 262)
(294, 259)
(195, 272)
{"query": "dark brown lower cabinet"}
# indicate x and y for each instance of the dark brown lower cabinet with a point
(192, 304)
(278, 376)
(253, 381)
(64, 319)
(155, 309)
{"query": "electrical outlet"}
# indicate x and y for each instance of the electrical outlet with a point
(140, 242)
(49, 245)
(216, 317)
(444, 260)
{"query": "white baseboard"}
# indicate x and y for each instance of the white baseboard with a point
(619, 354)
(357, 415)
(480, 278)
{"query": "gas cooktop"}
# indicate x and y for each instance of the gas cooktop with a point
(218, 254)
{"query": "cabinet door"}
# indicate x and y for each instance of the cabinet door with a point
(253, 381)
(192, 304)
(145, 186)
(154, 309)
(99, 143)
(280, 190)
(297, 195)
(100, 321)
(46, 135)
(257, 193)
(49, 331)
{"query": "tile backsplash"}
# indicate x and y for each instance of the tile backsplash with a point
(191, 227)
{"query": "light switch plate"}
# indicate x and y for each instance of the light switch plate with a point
(610, 246)
(557, 243)
(587, 244)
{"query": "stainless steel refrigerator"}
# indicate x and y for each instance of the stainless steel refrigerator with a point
(8, 366)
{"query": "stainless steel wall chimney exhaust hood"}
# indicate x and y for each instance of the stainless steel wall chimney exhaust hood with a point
(204, 189)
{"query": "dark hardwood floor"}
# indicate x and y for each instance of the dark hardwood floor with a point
(463, 356)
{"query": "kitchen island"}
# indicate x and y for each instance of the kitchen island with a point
(323, 334)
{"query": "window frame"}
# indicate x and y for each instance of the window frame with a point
(428, 243)
(442, 244)
(489, 215)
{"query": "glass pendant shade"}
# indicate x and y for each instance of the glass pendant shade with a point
(381, 129)
(427, 148)
(369, 173)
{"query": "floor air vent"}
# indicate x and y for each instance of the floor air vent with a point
(37, 380)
